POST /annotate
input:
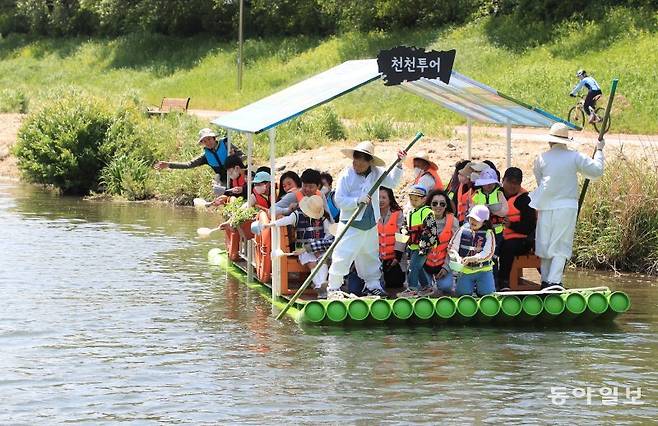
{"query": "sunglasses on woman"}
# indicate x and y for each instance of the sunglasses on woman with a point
(438, 203)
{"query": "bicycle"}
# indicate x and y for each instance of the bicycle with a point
(577, 115)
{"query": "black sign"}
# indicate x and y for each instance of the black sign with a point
(404, 63)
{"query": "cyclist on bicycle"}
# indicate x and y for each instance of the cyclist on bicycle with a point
(593, 90)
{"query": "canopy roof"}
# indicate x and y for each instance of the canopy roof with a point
(467, 97)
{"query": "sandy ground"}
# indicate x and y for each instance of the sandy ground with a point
(488, 143)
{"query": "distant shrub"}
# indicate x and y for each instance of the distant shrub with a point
(61, 144)
(377, 128)
(13, 100)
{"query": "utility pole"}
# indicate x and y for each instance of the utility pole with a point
(240, 42)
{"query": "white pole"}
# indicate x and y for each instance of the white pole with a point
(509, 144)
(276, 261)
(229, 138)
(250, 243)
(468, 138)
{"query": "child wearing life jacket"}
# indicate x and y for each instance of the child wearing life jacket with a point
(475, 243)
(329, 193)
(312, 237)
(437, 264)
(260, 192)
(422, 231)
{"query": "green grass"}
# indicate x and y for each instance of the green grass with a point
(533, 64)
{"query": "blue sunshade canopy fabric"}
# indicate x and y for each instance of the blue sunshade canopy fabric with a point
(301, 97)
(480, 102)
(463, 95)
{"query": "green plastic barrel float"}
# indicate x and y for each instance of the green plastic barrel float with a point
(553, 307)
(531, 307)
(618, 303)
(574, 306)
(488, 308)
(380, 310)
(336, 311)
(445, 308)
(597, 304)
(423, 309)
(467, 307)
(314, 312)
(357, 310)
(510, 307)
(402, 309)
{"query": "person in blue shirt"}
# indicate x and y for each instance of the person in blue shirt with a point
(593, 90)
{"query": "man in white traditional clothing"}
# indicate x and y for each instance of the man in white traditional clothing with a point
(360, 244)
(556, 199)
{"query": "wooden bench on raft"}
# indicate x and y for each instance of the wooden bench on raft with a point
(516, 280)
(170, 105)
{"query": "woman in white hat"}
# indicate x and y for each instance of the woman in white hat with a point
(311, 228)
(556, 199)
(425, 171)
(360, 244)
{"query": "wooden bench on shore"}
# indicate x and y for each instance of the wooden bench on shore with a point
(170, 105)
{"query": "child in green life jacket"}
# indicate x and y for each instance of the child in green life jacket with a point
(475, 243)
(423, 235)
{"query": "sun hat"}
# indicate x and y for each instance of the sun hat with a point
(365, 147)
(487, 177)
(479, 213)
(417, 190)
(559, 133)
(205, 133)
(312, 206)
(421, 155)
(261, 177)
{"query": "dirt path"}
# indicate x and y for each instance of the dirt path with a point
(488, 143)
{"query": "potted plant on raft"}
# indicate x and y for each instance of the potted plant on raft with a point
(239, 218)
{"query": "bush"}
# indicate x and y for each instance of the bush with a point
(13, 100)
(377, 128)
(128, 177)
(61, 144)
(618, 224)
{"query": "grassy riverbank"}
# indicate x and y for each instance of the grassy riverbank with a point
(532, 63)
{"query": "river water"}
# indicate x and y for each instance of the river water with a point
(110, 313)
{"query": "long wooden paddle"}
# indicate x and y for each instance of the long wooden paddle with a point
(327, 254)
(604, 124)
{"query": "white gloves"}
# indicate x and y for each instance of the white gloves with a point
(364, 199)
(600, 145)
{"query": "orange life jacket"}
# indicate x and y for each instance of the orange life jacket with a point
(262, 200)
(438, 254)
(435, 175)
(462, 203)
(514, 215)
(387, 236)
(300, 195)
(240, 181)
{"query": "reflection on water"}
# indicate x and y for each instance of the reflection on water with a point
(110, 313)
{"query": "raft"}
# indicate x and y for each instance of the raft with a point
(567, 308)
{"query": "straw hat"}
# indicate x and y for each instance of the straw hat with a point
(559, 133)
(365, 147)
(312, 206)
(422, 155)
(205, 133)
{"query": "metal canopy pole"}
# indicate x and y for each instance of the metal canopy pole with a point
(468, 138)
(250, 243)
(509, 144)
(229, 138)
(276, 260)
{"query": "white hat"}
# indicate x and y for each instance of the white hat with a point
(312, 206)
(422, 155)
(486, 177)
(559, 133)
(205, 133)
(365, 147)
(479, 213)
